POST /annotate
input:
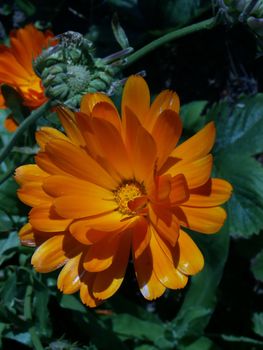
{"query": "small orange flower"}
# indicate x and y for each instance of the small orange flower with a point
(111, 186)
(16, 66)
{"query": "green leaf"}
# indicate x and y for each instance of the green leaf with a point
(26, 6)
(200, 300)
(8, 246)
(190, 114)
(133, 328)
(257, 267)
(257, 320)
(87, 322)
(245, 208)
(8, 198)
(202, 343)
(239, 126)
(239, 137)
(119, 32)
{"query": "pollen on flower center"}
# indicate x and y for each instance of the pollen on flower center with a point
(127, 192)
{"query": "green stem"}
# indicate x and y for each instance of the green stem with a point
(22, 128)
(35, 339)
(176, 34)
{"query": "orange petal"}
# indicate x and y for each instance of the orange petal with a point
(190, 258)
(29, 173)
(50, 255)
(68, 280)
(219, 191)
(100, 255)
(91, 100)
(44, 218)
(45, 163)
(108, 112)
(10, 124)
(27, 236)
(108, 282)
(205, 220)
(196, 172)
(70, 126)
(32, 194)
(81, 231)
(198, 145)
(86, 296)
(140, 237)
(150, 287)
(164, 268)
(46, 134)
(179, 190)
(111, 221)
(136, 97)
(165, 100)
(140, 145)
(166, 133)
(59, 185)
(169, 231)
(77, 207)
(112, 147)
(75, 161)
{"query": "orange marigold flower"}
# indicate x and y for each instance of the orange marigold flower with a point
(16, 65)
(111, 186)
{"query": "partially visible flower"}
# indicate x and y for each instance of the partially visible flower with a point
(16, 67)
(112, 186)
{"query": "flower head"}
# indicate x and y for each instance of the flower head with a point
(16, 67)
(112, 186)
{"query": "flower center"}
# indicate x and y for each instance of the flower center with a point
(127, 192)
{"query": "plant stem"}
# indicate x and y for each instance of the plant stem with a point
(22, 128)
(179, 33)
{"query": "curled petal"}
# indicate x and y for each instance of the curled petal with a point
(69, 280)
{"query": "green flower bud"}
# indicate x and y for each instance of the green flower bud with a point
(70, 69)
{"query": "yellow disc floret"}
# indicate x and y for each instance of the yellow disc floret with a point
(127, 192)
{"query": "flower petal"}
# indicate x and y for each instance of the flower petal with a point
(107, 111)
(165, 100)
(44, 218)
(190, 258)
(205, 220)
(167, 230)
(70, 126)
(136, 97)
(198, 145)
(32, 194)
(54, 253)
(140, 237)
(164, 268)
(29, 173)
(86, 296)
(110, 143)
(108, 282)
(150, 287)
(100, 255)
(78, 163)
(179, 190)
(46, 134)
(140, 143)
(196, 172)
(76, 206)
(215, 192)
(166, 133)
(59, 185)
(68, 280)
(27, 235)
